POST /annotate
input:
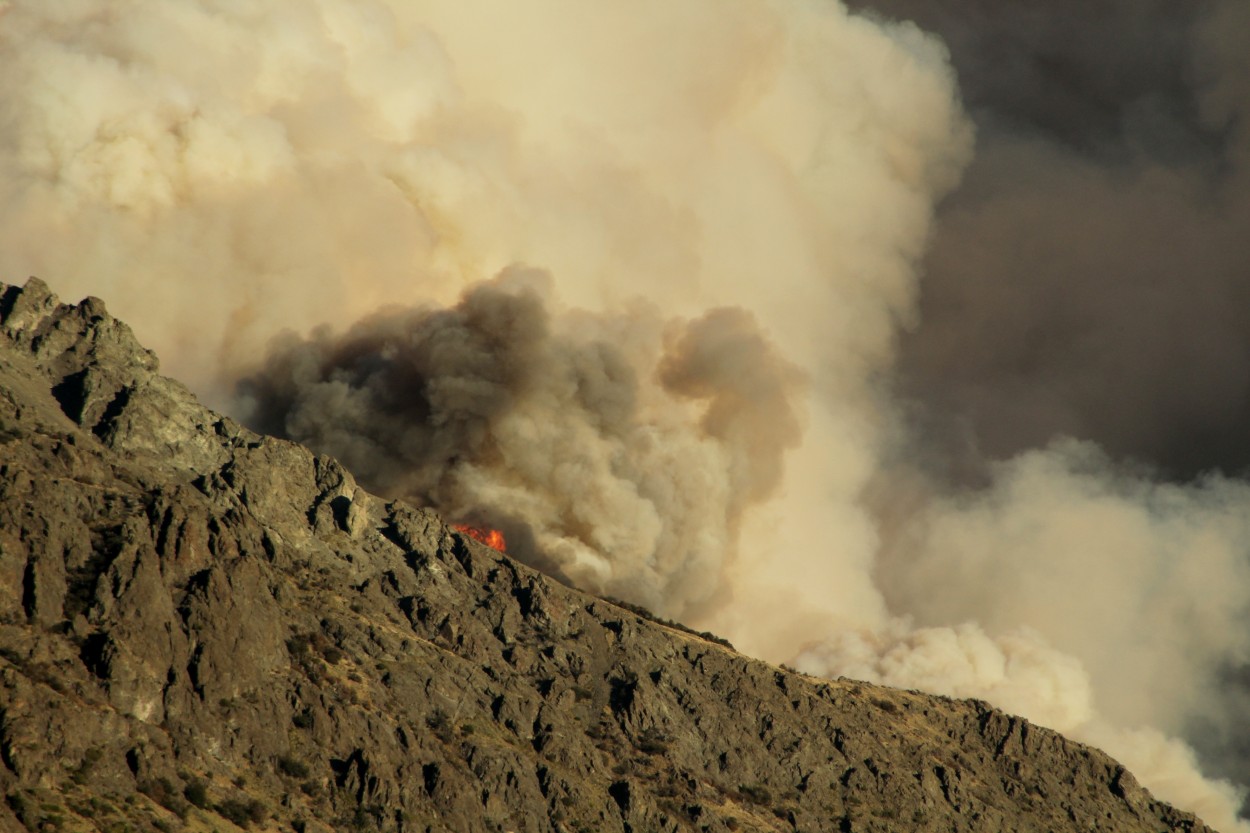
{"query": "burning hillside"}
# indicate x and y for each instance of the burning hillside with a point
(492, 538)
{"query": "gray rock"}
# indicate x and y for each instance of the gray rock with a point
(200, 624)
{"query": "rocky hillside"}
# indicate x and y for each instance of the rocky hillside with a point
(205, 629)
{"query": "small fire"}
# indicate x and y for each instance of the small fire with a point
(490, 537)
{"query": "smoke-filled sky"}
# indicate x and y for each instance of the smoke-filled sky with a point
(906, 342)
(1092, 276)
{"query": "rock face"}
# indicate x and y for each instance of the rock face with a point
(201, 628)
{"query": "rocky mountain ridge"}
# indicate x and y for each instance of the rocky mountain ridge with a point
(205, 629)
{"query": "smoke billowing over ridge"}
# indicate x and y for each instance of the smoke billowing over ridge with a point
(547, 428)
(762, 174)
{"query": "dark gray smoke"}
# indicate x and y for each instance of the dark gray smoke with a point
(1091, 278)
(616, 451)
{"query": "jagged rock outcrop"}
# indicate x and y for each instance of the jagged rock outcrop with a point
(201, 627)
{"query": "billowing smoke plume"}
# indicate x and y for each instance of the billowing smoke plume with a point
(613, 450)
(224, 172)
(1091, 279)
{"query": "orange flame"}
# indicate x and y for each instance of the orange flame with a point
(490, 537)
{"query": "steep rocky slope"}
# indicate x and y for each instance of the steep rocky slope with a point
(203, 628)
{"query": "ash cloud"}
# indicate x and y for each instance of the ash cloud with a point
(1089, 278)
(367, 174)
(625, 473)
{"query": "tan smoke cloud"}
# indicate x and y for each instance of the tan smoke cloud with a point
(760, 173)
(1156, 571)
(1140, 584)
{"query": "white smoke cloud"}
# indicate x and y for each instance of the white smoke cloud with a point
(1067, 546)
(221, 172)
